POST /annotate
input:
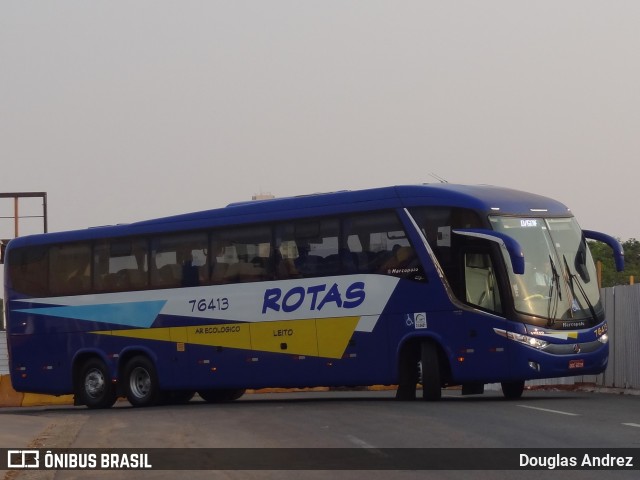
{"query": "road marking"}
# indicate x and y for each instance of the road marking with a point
(632, 424)
(360, 443)
(550, 411)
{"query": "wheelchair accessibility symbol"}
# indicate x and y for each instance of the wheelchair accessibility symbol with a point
(418, 320)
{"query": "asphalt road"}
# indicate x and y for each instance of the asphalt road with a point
(372, 421)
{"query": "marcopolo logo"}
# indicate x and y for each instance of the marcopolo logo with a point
(315, 297)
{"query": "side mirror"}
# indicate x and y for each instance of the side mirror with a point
(616, 246)
(505, 241)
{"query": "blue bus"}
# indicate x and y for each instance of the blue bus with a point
(444, 285)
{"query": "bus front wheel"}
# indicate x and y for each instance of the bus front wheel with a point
(95, 388)
(512, 390)
(141, 382)
(431, 375)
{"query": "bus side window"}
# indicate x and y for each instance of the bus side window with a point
(286, 252)
(69, 270)
(120, 265)
(317, 247)
(434, 222)
(179, 260)
(246, 253)
(307, 248)
(222, 254)
(29, 270)
(377, 243)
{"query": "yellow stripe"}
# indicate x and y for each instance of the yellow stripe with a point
(231, 335)
(334, 335)
(296, 336)
(316, 337)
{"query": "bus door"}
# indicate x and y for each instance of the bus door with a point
(482, 353)
(470, 259)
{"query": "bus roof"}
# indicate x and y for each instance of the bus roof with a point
(483, 198)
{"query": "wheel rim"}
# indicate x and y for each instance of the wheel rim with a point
(94, 383)
(140, 382)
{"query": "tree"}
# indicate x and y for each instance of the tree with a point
(610, 277)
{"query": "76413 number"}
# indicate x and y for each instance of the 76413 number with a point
(204, 304)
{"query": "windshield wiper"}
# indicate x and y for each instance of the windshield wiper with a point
(574, 278)
(554, 297)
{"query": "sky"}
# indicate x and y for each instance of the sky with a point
(128, 110)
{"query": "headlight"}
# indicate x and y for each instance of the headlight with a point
(524, 339)
(604, 338)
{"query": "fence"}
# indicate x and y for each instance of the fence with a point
(622, 305)
(4, 357)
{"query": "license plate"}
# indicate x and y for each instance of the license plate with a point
(576, 364)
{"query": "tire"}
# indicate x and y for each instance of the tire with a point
(431, 375)
(221, 396)
(408, 374)
(95, 388)
(141, 382)
(512, 390)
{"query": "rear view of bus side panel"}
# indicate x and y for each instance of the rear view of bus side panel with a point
(34, 367)
(42, 363)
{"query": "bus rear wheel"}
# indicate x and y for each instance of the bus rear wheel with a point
(512, 390)
(431, 375)
(141, 382)
(95, 388)
(221, 396)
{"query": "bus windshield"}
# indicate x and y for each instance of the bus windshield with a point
(559, 282)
